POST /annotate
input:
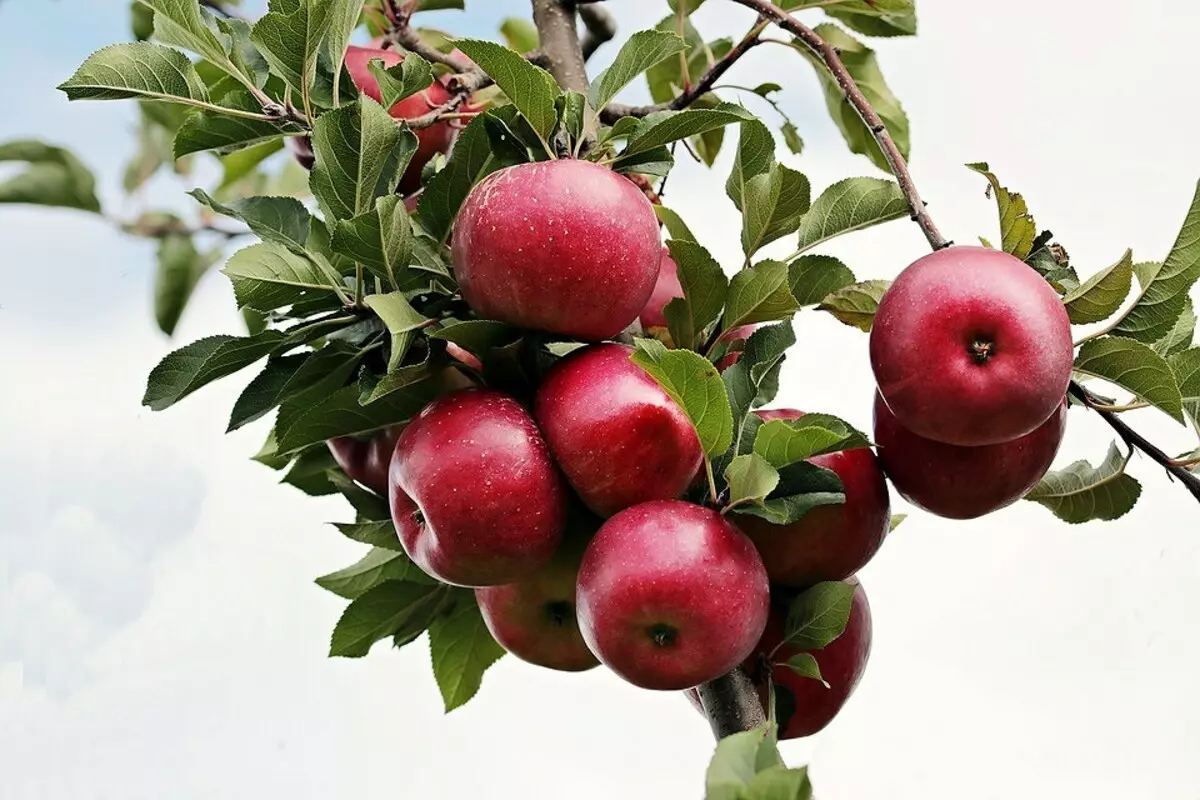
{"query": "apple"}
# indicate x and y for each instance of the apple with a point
(474, 493)
(965, 482)
(828, 543)
(534, 619)
(804, 706)
(666, 288)
(564, 246)
(671, 595)
(617, 436)
(970, 346)
(367, 459)
(437, 138)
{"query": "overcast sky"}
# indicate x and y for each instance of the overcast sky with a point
(160, 634)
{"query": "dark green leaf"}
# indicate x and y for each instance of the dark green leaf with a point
(412, 75)
(180, 268)
(694, 383)
(1081, 492)
(469, 162)
(301, 425)
(401, 320)
(387, 610)
(744, 380)
(188, 368)
(1135, 367)
(381, 240)
(310, 375)
(665, 127)
(183, 23)
(759, 294)
(361, 153)
(773, 205)
(755, 156)
(268, 276)
(140, 69)
(813, 278)
(530, 88)
(819, 615)
(343, 19)
(1180, 336)
(477, 336)
(225, 133)
(462, 649)
(641, 52)
(283, 220)
(676, 227)
(291, 41)
(704, 290)
(784, 442)
(377, 534)
(310, 473)
(851, 205)
(1186, 366)
(806, 666)
(376, 567)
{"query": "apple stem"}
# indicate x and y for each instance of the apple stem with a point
(731, 704)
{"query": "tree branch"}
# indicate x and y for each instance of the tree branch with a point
(600, 27)
(731, 704)
(555, 21)
(704, 85)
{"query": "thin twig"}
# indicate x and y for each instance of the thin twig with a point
(599, 27)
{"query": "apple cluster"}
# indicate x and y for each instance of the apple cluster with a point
(564, 513)
(972, 354)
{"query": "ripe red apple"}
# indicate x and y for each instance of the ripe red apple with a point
(474, 493)
(828, 543)
(965, 482)
(619, 438)
(564, 246)
(367, 459)
(534, 619)
(803, 705)
(970, 346)
(435, 139)
(671, 595)
(666, 289)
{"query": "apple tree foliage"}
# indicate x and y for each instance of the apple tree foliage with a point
(350, 300)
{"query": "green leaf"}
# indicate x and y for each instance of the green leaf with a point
(343, 19)
(665, 127)
(180, 268)
(896, 520)
(182, 23)
(773, 206)
(704, 290)
(755, 156)
(738, 759)
(759, 294)
(268, 276)
(379, 534)
(802, 487)
(573, 109)
(462, 649)
(819, 615)
(856, 304)
(413, 74)
(377, 566)
(389, 609)
(1181, 334)
(1051, 263)
(642, 51)
(813, 278)
(53, 177)
(1135, 367)
(707, 145)
(780, 783)
(751, 478)
(862, 65)
(224, 133)
(1099, 297)
(1081, 492)
(1186, 366)
(470, 160)
(530, 88)
(877, 17)
(1165, 286)
(303, 424)
(477, 336)
(785, 442)
(140, 69)
(361, 153)
(694, 383)
(310, 473)
(283, 220)
(806, 666)
(291, 41)
(851, 205)
(241, 164)
(744, 381)
(401, 320)
(1017, 228)
(187, 369)
(520, 34)
(311, 375)
(141, 21)
(381, 239)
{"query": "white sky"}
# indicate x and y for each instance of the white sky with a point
(160, 635)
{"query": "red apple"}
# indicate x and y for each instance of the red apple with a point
(964, 482)
(970, 347)
(474, 493)
(619, 438)
(666, 289)
(534, 619)
(828, 543)
(564, 246)
(367, 459)
(803, 705)
(435, 139)
(671, 595)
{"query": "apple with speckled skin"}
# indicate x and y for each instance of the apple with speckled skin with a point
(534, 619)
(970, 346)
(666, 288)
(803, 705)
(617, 436)
(367, 459)
(564, 246)
(828, 543)
(474, 494)
(671, 595)
(965, 482)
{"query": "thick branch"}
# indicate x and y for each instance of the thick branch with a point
(731, 704)
(599, 26)
(1132, 438)
(615, 111)
(555, 21)
(833, 62)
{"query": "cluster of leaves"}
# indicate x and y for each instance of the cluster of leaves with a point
(747, 766)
